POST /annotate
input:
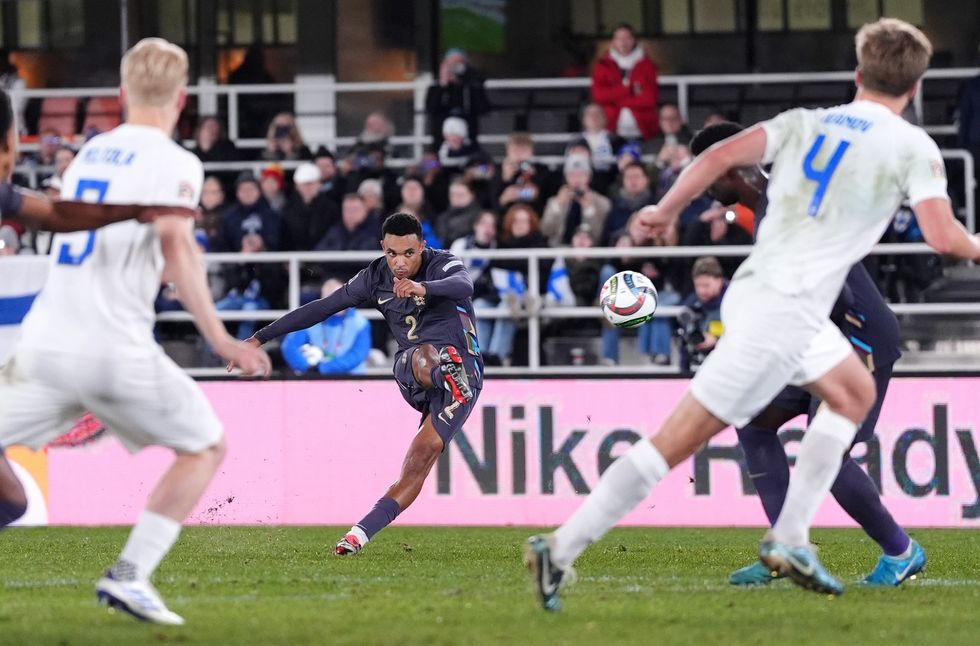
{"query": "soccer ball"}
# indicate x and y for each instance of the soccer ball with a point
(628, 299)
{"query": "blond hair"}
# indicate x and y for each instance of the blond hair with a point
(153, 72)
(892, 56)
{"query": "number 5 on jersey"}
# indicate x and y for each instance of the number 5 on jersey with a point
(89, 190)
(821, 175)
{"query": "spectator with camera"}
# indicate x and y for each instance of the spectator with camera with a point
(624, 83)
(700, 323)
(480, 174)
(459, 93)
(283, 141)
(337, 346)
(521, 179)
(574, 204)
(308, 212)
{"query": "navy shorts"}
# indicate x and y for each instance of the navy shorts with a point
(448, 415)
(796, 400)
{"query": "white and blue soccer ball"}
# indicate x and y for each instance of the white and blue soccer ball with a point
(628, 299)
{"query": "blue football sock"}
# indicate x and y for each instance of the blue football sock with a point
(768, 468)
(855, 492)
(384, 511)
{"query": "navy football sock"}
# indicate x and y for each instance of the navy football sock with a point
(384, 511)
(856, 493)
(766, 461)
(9, 512)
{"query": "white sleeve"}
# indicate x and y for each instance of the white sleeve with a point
(181, 183)
(925, 174)
(779, 130)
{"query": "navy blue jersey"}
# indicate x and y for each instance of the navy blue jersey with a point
(444, 316)
(861, 313)
(11, 199)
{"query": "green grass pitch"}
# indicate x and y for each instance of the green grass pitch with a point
(279, 585)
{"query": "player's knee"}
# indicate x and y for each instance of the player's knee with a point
(218, 450)
(424, 359)
(430, 449)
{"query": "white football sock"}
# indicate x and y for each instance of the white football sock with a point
(623, 486)
(359, 533)
(151, 539)
(817, 465)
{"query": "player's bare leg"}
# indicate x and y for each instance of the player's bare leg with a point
(623, 486)
(432, 369)
(13, 498)
(847, 392)
(156, 531)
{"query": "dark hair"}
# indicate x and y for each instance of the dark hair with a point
(635, 164)
(6, 115)
(712, 135)
(401, 224)
(323, 151)
(624, 25)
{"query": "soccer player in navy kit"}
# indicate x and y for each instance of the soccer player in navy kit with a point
(425, 297)
(871, 327)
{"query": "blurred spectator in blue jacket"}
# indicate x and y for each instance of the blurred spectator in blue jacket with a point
(339, 345)
(250, 214)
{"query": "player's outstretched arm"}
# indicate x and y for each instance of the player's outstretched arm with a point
(943, 232)
(744, 149)
(63, 216)
(306, 316)
(184, 267)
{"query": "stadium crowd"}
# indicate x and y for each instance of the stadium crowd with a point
(465, 199)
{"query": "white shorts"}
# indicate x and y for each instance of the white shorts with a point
(148, 401)
(771, 339)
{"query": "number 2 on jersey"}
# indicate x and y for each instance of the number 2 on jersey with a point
(412, 323)
(821, 175)
(87, 188)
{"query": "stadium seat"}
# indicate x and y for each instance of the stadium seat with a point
(59, 113)
(102, 113)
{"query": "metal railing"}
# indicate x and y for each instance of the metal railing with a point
(534, 310)
(208, 93)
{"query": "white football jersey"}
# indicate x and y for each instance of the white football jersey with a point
(838, 176)
(98, 299)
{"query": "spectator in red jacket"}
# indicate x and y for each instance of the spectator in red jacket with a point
(624, 83)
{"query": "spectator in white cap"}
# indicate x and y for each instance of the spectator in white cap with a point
(575, 204)
(308, 213)
(456, 145)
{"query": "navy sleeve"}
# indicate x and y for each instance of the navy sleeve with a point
(448, 278)
(11, 199)
(354, 293)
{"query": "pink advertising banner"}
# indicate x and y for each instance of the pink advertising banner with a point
(323, 453)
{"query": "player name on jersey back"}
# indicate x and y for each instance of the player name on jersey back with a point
(102, 284)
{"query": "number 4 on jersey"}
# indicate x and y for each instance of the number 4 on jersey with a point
(821, 175)
(89, 190)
